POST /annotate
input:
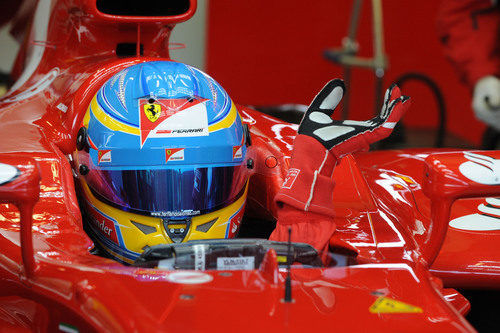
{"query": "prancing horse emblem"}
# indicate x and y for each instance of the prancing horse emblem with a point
(152, 111)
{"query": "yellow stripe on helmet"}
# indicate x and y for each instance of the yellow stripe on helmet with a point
(225, 122)
(109, 122)
(116, 125)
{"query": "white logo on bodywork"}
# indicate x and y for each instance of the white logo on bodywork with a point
(486, 219)
(189, 277)
(7, 173)
(481, 169)
(36, 88)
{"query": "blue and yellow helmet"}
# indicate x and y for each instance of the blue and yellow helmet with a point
(160, 159)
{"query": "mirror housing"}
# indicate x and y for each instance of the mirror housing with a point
(452, 176)
(145, 11)
(20, 185)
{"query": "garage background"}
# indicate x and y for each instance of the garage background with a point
(271, 52)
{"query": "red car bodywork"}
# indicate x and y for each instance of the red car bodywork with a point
(392, 209)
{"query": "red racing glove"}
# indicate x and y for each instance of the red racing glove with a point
(320, 142)
(342, 137)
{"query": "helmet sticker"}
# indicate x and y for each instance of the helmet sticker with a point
(179, 213)
(237, 152)
(174, 154)
(102, 223)
(172, 118)
(234, 222)
(104, 156)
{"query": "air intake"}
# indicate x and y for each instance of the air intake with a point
(206, 226)
(146, 229)
(143, 7)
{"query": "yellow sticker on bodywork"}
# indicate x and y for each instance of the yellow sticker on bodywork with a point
(388, 305)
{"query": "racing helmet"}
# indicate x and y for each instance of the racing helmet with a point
(160, 158)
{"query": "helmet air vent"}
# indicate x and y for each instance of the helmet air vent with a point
(146, 229)
(206, 226)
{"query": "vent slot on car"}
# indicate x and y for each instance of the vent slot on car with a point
(143, 8)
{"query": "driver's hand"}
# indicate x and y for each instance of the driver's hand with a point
(486, 101)
(348, 136)
(321, 141)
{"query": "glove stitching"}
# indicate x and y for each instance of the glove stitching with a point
(316, 172)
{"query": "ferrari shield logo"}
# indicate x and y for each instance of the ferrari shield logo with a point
(155, 118)
(152, 111)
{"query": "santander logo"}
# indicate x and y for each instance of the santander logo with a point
(104, 228)
(103, 223)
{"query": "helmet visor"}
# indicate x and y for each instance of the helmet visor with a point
(169, 192)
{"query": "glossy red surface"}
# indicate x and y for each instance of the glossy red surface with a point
(382, 213)
(467, 258)
(23, 191)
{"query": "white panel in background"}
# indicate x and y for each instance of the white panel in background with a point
(193, 34)
(8, 50)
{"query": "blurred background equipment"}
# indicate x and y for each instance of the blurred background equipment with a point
(277, 48)
(347, 58)
(270, 54)
(468, 31)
